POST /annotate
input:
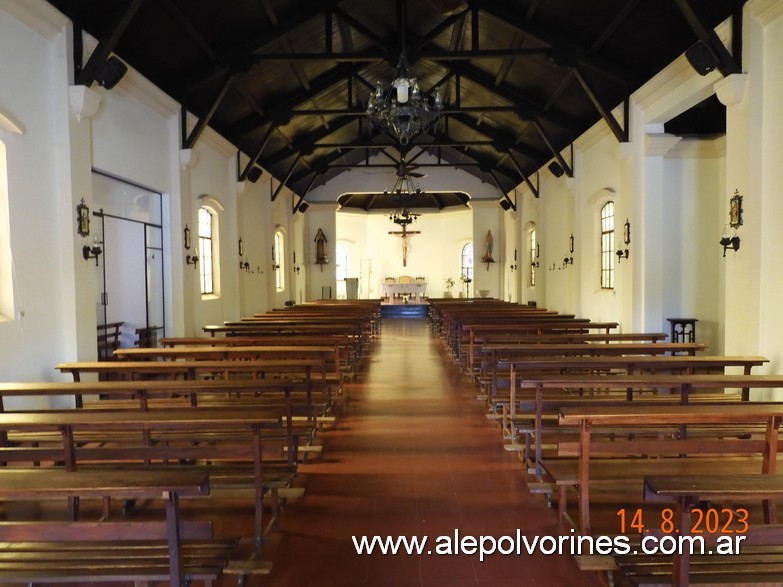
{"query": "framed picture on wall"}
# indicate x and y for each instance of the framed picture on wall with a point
(735, 210)
(83, 219)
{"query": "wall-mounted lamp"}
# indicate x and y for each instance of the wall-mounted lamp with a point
(92, 252)
(538, 254)
(243, 263)
(296, 267)
(729, 242)
(190, 259)
(514, 266)
(569, 260)
(623, 253)
(82, 219)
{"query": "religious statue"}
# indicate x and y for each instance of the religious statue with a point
(488, 244)
(320, 248)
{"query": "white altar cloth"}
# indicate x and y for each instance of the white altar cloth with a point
(414, 289)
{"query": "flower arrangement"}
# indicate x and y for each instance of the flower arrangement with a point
(449, 283)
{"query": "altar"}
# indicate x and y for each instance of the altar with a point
(415, 290)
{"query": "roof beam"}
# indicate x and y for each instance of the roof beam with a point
(522, 174)
(444, 25)
(382, 44)
(287, 176)
(526, 109)
(502, 141)
(189, 29)
(619, 132)
(205, 120)
(306, 143)
(106, 45)
(555, 152)
(726, 63)
(242, 57)
(283, 108)
(561, 45)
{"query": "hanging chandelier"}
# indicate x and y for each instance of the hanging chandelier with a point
(402, 108)
(403, 191)
(404, 186)
(403, 216)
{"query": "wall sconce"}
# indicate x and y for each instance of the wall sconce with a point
(296, 267)
(190, 259)
(729, 242)
(82, 219)
(623, 253)
(570, 259)
(92, 252)
(514, 266)
(538, 253)
(243, 263)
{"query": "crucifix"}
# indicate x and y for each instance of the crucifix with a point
(403, 234)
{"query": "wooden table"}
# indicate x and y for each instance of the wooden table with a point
(169, 486)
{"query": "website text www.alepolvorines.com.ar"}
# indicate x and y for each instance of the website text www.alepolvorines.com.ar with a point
(520, 544)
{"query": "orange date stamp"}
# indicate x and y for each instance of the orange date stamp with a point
(703, 521)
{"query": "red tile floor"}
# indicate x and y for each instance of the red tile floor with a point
(411, 454)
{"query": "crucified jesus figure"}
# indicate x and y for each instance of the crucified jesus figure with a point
(404, 234)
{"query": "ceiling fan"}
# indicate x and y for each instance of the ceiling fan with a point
(408, 169)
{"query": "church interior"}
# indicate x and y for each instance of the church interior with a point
(277, 276)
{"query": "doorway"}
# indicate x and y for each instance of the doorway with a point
(131, 268)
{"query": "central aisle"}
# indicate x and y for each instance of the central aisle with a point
(412, 454)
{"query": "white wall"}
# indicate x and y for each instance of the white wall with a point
(434, 253)
(41, 235)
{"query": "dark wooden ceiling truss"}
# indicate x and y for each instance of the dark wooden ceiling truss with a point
(517, 88)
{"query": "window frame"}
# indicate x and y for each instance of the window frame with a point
(465, 268)
(532, 243)
(606, 217)
(278, 253)
(206, 250)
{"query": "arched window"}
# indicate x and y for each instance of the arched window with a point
(533, 254)
(467, 262)
(279, 260)
(342, 269)
(607, 246)
(206, 249)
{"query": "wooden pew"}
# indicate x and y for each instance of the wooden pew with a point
(759, 559)
(596, 366)
(578, 472)
(287, 376)
(108, 339)
(209, 435)
(109, 551)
